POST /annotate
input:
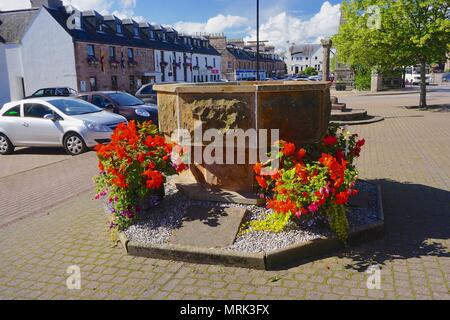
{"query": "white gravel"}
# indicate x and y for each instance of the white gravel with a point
(156, 226)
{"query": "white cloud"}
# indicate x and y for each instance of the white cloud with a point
(283, 29)
(216, 24)
(13, 5)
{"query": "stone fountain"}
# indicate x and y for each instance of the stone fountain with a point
(301, 111)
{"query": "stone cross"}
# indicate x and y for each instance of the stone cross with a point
(326, 43)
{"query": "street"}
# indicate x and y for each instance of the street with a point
(49, 221)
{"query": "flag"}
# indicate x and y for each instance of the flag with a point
(122, 61)
(102, 60)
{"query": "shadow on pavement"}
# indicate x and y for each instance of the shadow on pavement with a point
(417, 218)
(40, 151)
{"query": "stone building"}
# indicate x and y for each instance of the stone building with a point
(239, 59)
(300, 57)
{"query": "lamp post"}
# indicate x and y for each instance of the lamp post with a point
(258, 78)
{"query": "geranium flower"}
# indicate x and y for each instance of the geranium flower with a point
(330, 140)
(288, 149)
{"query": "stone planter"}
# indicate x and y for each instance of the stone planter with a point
(300, 111)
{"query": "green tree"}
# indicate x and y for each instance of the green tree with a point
(387, 34)
(310, 71)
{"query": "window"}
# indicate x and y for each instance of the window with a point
(316, 58)
(230, 65)
(132, 83)
(152, 35)
(39, 93)
(119, 28)
(112, 53)
(197, 61)
(130, 54)
(214, 62)
(100, 101)
(136, 32)
(13, 112)
(91, 50)
(114, 83)
(195, 78)
(206, 62)
(36, 110)
(93, 83)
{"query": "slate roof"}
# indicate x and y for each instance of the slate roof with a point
(109, 36)
(305, 48)
(14, 24)
(243, 54)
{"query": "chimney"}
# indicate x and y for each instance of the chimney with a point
(53, 4)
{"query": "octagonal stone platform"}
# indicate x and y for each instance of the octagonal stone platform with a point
(206, 233)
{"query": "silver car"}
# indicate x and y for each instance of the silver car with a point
(71, 123)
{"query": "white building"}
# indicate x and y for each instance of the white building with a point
(300, 57)
(24, 41)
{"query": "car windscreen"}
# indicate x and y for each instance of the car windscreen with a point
(74, 107)
(125, 99)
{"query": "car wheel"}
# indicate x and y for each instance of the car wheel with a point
(6, 147)
(74, 144)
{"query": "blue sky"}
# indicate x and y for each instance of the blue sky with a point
(283, 22)
(197, 10)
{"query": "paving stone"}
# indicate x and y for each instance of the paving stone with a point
(209, 227)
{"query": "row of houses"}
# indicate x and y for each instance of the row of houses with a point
(239, 59)
(53, 45)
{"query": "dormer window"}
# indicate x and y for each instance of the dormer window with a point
(152, 35)
(164, 37)
(119, 28)
(136, 32)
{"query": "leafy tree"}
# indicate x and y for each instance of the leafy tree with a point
(387, 34)
(310, 71)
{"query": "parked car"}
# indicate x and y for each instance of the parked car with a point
(124, 104)
(54, 92)
(315, 78)
(71, 123)
(147, 94)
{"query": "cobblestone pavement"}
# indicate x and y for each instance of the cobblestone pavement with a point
(408, 154)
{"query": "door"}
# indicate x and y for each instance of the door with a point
(37, 131)
(12, 124)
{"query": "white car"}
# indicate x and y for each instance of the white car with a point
(71, 123)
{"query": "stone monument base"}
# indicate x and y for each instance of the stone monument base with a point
(187, 184)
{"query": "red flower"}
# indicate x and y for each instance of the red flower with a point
(301, 154)
(342, 198)
(257, 168)
(100, 166)
(340, 155)
(154, 179)
(361, 143)
(288, 149)
(262, 182)
(330, 140)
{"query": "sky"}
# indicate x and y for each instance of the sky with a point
(283, 22)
